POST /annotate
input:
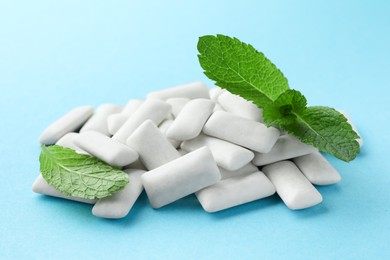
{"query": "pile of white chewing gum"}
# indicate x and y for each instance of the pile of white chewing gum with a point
(189, 139)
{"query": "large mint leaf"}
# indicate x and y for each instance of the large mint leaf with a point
(79, 175)
(241, 69)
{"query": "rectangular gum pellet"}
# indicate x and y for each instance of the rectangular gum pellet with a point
(241, 131)
(164, 126)
(227, 155)
(247, 168)
(68, 142)
(119, 204)
(292, 186)
(177, 104)
(98, 122)
(191, 119)
(235, 191)
(286, 147)
(190, 90)
(42, 187)
(106, 149)
(317, 169)
(131, 106)
(181, 177)
(152, 146)
(155, 110)
(215, 92)
(70, 122)
(116, 121)
(239, 106)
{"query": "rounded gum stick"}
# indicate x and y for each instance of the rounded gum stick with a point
(106, 149)
(239, 106)
(70, 122)
(317, 169)
(190, 90)
(177, 104)
(98, 122)
(181, 177)
(67, 141)
(116, 121)
(191, 119)
(292, 186)
(247, 168)
(227, 155)
(131, 106)
(235, 191)
(286, 147)
(153, 109)
(164, 127)
(215, 92)
(241, 131)
(153, 147)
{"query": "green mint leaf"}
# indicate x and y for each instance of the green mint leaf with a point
(241, 69)
(327, 129)
(282, 111)
(322, 127)
(79, 175)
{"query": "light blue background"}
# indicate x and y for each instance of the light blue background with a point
(55, 55)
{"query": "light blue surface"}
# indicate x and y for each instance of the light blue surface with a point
(55, 55)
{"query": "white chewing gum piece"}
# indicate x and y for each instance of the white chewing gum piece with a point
(181, 177)
(292, 186)
(41, 186)
(67, 141)
(349, 120)
(98, 122)
(227, 155)
(164, 127)
(136, 165)
(106, 149)
(177, 105)
(241, 131)
(247, 168)
(235, 191)
(116, 121)
(286, 147)
(239, 106)
(191, 119)
(153, 109)
(70, 122)
(218, 108)
(120, 203)
(191, 91)
(317, 169)
(215, 92)
(153, 147)
(131, 106)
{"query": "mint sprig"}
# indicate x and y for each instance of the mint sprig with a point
(241, 69)
(79, 175)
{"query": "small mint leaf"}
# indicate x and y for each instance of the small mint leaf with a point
(79, 175)
(326, 129)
